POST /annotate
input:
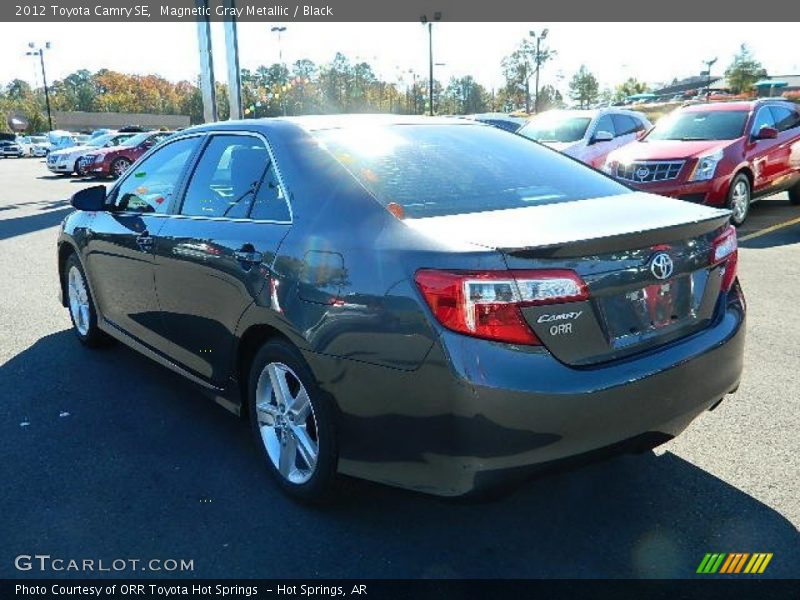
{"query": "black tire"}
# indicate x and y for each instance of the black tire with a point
(77, 168)
(115, 169)
(739, 211)
(320, 485)
(92, 336)
(794, 194)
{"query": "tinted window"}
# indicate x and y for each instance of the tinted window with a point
(556, 127)
(227, 175)
(605, 123)
(270, 203)
(625, 124)
(700, 125)
(149, 187)
(763, 119)
(433, 170)
(785, 118)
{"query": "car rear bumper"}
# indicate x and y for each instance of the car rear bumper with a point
(477, 413)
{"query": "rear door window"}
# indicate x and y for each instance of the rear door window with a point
(226, 178)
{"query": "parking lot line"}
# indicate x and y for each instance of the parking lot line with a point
(767, 230)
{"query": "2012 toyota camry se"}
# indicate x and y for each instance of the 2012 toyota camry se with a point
(429, 303)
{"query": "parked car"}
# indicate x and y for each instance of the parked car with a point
(587, 135)
(501, 120)
(113, 162)
(33, 146)
(10, 149)
(425, 302)
(67, 161)
(721, 154)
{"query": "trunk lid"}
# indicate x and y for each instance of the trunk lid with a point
(645, 259)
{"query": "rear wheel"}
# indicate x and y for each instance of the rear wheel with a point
(794, 194)
(82, 311)
(292, 422)
(119, 166)
(739, 199)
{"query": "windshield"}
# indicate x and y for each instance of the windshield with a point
(433, 170)
(556, 128)
(136, 139)
(39, 139)
(700, 125)
(100, 140)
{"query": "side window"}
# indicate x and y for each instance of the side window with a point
(149, 187)
(763, 119)
(785, 118)
(270, 204)
(605, 123)
(226, 178)
(624, 124)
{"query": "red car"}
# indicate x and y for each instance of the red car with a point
(113, 162)
(722, 154)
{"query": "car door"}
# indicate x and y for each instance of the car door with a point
(213, 256)
(764, 154)
(121, 240)
(786, 168)
(595, 152)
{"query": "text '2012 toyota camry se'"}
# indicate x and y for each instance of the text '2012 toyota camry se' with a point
(430, 303)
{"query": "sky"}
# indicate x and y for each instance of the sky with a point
(651, 52)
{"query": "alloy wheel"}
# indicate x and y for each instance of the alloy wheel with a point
(740, 201)
(120, 167)
(78, 300)
(287, 423)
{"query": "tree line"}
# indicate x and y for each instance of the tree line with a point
(342, 85)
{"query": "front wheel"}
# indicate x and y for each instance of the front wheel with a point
(119, 166)
(82, 310)
(739, 199)
(292, 422)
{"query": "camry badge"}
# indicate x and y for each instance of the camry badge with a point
(661, 265)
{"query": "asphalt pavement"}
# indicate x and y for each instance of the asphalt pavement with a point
(106, 455)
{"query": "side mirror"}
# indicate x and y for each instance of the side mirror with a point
(767, 133)
(602, 136)
(90, 199)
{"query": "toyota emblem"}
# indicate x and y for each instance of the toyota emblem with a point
(642, 173)
(661, 265)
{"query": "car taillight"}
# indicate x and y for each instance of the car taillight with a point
(487, 304)
(725, 249)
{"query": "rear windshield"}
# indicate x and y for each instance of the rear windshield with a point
(700, 125)
(434, 170)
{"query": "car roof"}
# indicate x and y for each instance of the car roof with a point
(594, 112)
(320, 122)
(739, 105)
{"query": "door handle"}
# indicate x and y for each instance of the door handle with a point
(145, 241)
(248, 256)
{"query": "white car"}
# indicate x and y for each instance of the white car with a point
(67, 161)
(33, 146)
(587, 135)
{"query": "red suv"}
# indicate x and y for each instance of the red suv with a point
(722, 154)
(113, 162)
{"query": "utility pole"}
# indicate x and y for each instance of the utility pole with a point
(437, 16)
(34, 50)
(279, 30)
(709, 64)
(538, 61)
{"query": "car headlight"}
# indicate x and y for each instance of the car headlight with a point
(610, 167)
(706, 166)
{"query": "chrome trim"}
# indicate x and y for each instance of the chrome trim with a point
(670, 169)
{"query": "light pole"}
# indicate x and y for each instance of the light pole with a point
(34, 50)
(437, 16)
(280, 29)
(538, 61)
(708, 64)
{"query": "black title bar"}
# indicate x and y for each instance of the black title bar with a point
(399, 11)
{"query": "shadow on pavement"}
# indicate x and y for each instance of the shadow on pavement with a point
(28, 223)
(108, 455)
